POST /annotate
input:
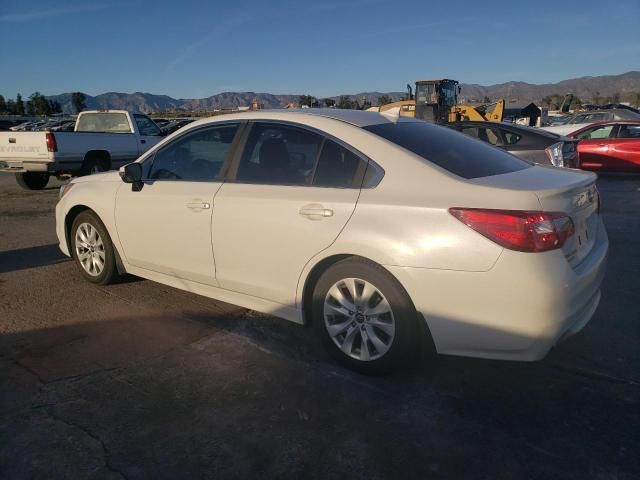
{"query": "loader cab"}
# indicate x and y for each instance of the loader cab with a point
(435, 98)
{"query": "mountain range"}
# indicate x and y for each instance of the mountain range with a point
(516, 93)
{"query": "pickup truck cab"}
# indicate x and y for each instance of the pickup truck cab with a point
(102, 140)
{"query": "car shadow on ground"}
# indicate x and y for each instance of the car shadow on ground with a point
(179, 395)
(30, 257)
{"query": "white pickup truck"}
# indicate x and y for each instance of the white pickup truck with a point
(102, 140)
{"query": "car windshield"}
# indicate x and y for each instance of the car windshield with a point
(453, 151)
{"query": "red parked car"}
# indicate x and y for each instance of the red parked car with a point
(609, 146)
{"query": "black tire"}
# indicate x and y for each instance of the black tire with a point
(94, 164)
(32, 180)
(404, 343)
(109, 271)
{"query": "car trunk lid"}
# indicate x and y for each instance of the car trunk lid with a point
(559, 190)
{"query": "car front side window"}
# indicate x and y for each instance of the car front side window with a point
(596, 132)
(195, 157)
(146, 126)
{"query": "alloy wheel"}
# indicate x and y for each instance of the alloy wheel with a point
(90, 249)
(359, 319)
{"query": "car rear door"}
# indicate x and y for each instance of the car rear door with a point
(289, 194)
(624, 149)
(166, 226)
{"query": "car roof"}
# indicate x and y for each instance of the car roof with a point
(358, 118)
(607, 122)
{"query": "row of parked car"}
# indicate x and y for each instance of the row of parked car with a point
(170, 125)
(47, 124)
(607, 146)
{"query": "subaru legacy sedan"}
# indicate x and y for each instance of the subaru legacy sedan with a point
(386, 235)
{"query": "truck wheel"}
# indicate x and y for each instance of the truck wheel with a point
(93, 165)
(32, 180)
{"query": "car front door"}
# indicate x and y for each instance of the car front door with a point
(593, 148)
(166, 226)
(288, 196)
(149, 132)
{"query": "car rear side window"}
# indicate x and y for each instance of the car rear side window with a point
(337, 166)
(459, 154)
(511, 138)
(629, 131)
(279, 155)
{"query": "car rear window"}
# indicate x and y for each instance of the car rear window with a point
(453, 151)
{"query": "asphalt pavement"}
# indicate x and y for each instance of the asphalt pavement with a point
(140, 380)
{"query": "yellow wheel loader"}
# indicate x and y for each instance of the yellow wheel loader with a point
(437, 101)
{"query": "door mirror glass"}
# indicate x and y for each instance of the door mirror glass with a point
(131, 173)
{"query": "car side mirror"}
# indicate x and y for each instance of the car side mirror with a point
(132, 173)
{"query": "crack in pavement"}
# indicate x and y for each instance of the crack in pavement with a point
(49, 409)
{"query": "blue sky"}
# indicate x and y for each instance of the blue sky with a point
(191, 49)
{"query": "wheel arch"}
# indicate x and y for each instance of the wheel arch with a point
(70, 217)
(428, 345)
(102, 155)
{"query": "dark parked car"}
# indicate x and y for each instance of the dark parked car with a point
(174, 125)
(528, 143)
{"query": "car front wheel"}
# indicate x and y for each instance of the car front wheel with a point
(364, 316)
(92, 249)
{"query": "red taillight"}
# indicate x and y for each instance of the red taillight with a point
(52, 146)
(524, 231)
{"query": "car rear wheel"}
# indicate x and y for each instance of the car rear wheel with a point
(364, 317)
(92, 249)
(32, 180)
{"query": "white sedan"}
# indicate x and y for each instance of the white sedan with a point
(387, 235)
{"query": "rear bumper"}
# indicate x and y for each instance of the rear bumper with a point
(21, 166)
(518, 310)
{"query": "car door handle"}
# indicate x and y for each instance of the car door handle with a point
(315, 212)
(198, 205)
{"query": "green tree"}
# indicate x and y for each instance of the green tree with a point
(78, 98)
(55, 107)
(19, 105)
(329, 102)
(38, 104)
(3, 105)
(31, 108)
(11, 107)
(384, 100)
(345, 102)
(366, 104)
(307, 100)
(486, 99)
